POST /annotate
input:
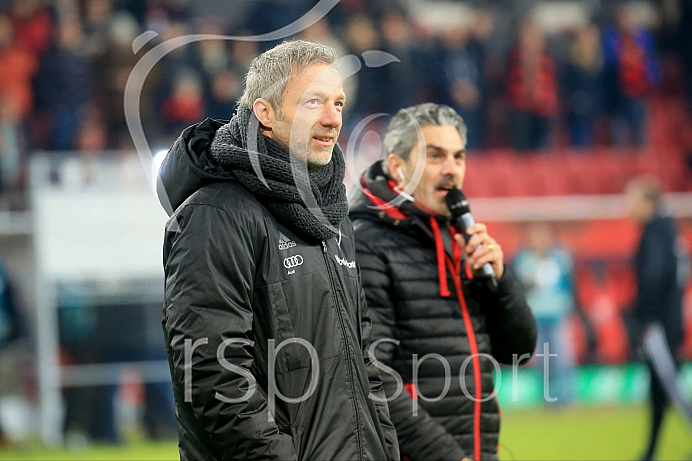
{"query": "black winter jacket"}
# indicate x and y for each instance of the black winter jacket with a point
(663, 269)
(241, 289)
(405, 287)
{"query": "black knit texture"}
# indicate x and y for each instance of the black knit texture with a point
(278, 182)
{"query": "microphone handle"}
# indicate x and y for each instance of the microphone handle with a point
(486, 271)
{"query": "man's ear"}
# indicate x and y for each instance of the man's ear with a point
(396, 168)
(264, 112)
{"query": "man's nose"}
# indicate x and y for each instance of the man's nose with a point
(330, 116)
(449, 166)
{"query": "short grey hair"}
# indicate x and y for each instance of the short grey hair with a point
(270, 72)
(402, 134)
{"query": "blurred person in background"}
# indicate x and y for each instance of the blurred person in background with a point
(221, 98)
(545, 270)
(64, 83)
(270, 15)
(179, 61)
(582, 85)
(532, 90)
(662, 268)
(243, 52)
(33, 25)
(630, 72)
(185, 105)
(17, 67)
(112, 65)
(211, 55)
(248, 263)
(462, 79)
(13, 158)
(97, 23)
(418, 275)
(370, 82)
(403, 77)
(91, 142)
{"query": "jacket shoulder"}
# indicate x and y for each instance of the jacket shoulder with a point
(376, 233)
(365, 226)
(368, 231)
(227, 196)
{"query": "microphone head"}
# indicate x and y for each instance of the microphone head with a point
(457, 203)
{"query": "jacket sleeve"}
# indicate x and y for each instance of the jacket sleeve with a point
(210, 264)
(510, 322)
(420, 437)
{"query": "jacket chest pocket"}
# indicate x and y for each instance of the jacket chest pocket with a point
(290, 352)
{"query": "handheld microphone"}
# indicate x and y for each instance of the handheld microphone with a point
(462, 219)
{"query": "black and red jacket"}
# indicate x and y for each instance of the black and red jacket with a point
(421, 294)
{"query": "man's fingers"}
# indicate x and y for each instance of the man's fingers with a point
(487, 257)
(477, 228)
(488, 251)
(482, 239)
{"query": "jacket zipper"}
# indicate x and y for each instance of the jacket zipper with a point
(348, 344)
(476, 363)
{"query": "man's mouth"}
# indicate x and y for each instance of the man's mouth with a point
(444, 189)
(323, 140)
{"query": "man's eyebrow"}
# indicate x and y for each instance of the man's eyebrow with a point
(311, 93)
(442, 149)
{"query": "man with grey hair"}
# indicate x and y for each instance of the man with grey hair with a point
(265, 318)
(438, 331)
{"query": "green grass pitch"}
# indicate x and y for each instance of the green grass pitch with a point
(596, 433)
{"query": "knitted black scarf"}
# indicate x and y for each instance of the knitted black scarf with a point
(311, 202)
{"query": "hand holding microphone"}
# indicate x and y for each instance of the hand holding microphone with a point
(483, 254)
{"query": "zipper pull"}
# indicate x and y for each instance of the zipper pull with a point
(324, 246)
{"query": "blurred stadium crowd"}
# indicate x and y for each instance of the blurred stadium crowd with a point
(524, 75)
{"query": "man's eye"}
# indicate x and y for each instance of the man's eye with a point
(313, 101)
(339, 104)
